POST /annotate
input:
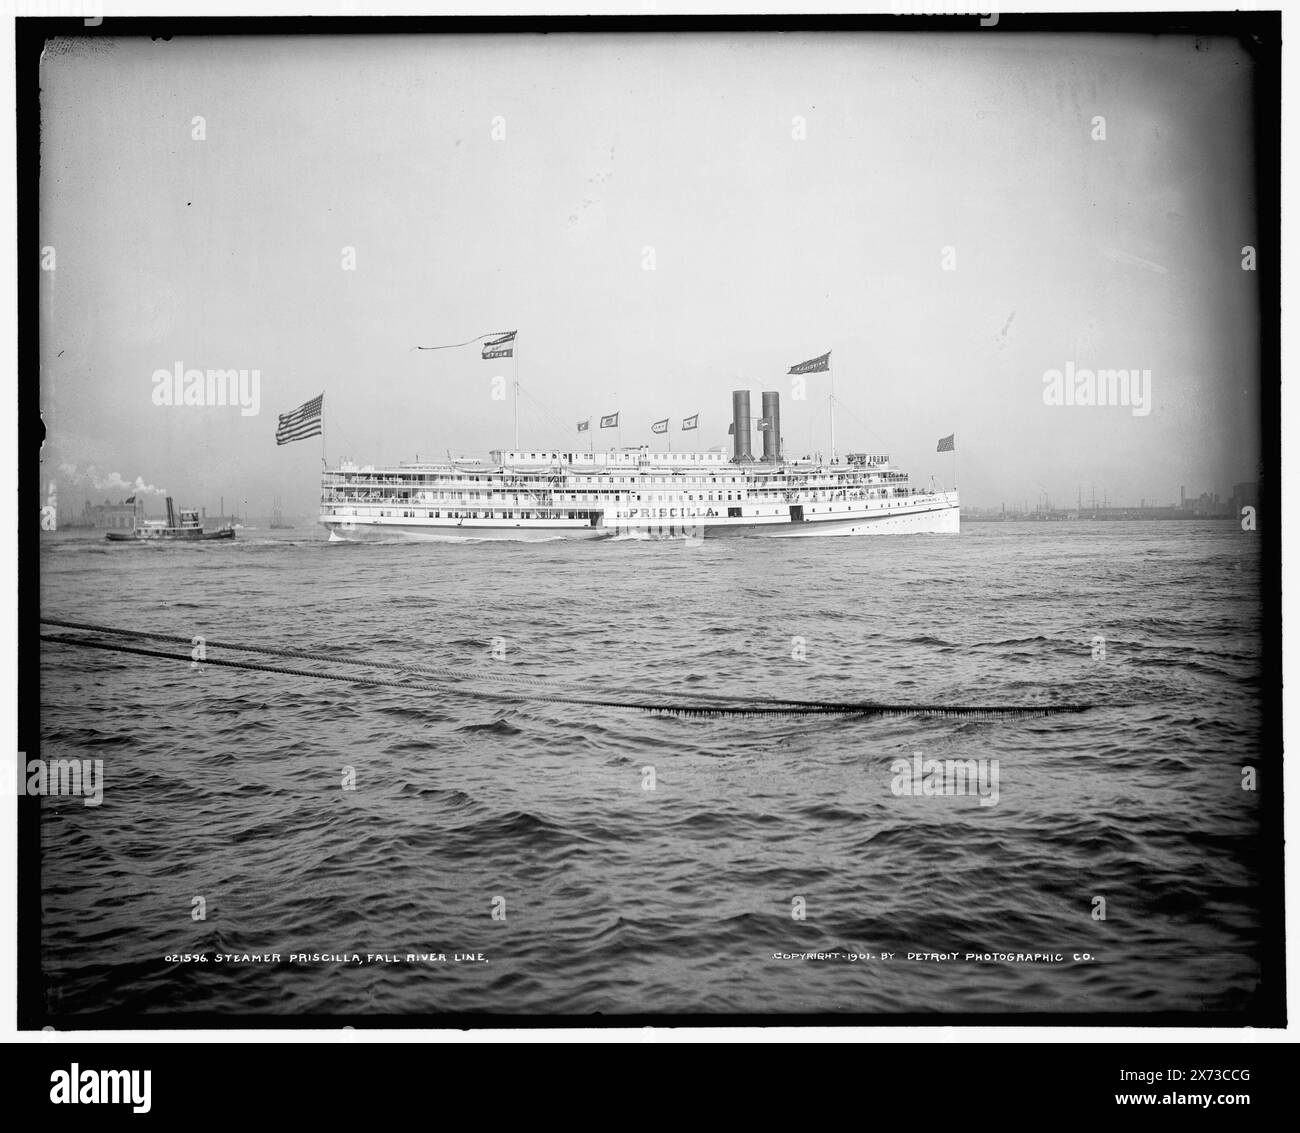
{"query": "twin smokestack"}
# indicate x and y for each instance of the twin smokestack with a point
(770, 426)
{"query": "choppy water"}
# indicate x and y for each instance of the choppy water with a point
(616, 898)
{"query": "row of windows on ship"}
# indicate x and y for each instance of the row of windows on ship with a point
(581, 498)
(582, 495)
(349, 478)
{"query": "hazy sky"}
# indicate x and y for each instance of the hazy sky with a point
(768, 249)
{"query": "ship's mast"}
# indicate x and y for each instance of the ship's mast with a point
(514, 354)
(831, 367)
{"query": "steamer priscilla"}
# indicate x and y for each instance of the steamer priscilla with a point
(554, 494)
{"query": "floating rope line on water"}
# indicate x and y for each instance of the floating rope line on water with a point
(439, 672)
(424, 678)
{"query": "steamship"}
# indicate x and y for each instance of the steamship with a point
(533, 495)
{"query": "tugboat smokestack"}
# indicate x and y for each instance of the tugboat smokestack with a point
(741, 424)
(171, 515)
(772, 434)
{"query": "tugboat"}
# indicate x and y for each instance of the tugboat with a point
(188, 530)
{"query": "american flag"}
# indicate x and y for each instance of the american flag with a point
(946, 443)
(818, 365)
(302, 423)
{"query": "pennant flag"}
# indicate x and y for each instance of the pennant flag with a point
(302, 423)
(503, 347)
(660, 426)
(731, 429)
(764, 423)
(691, 422)
(609, 422)
(508, 337)
(583, 426)
(813, 366)
(946, 443)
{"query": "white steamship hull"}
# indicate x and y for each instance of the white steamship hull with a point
(941, 515)
(444, 531)
(934, 514)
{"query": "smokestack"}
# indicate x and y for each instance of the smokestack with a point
(740, 424)
(171, 515)
(772, 434)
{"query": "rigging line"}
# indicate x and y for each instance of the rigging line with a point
(337, 428)
(749, 708)
(397, 666)
(543, 409)
(455, 345)
(879, 440)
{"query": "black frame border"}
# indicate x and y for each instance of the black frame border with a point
(1259, 32)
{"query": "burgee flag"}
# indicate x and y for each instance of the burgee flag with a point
(660, 426)
(610, 421)
(817, 365)
(691, 422)
(503, 347)
(302, 423)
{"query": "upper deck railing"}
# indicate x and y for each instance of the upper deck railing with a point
(558, 461)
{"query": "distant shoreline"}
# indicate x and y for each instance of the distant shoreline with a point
(1114, 515)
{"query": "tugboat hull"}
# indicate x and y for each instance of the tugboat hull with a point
(169, 535)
